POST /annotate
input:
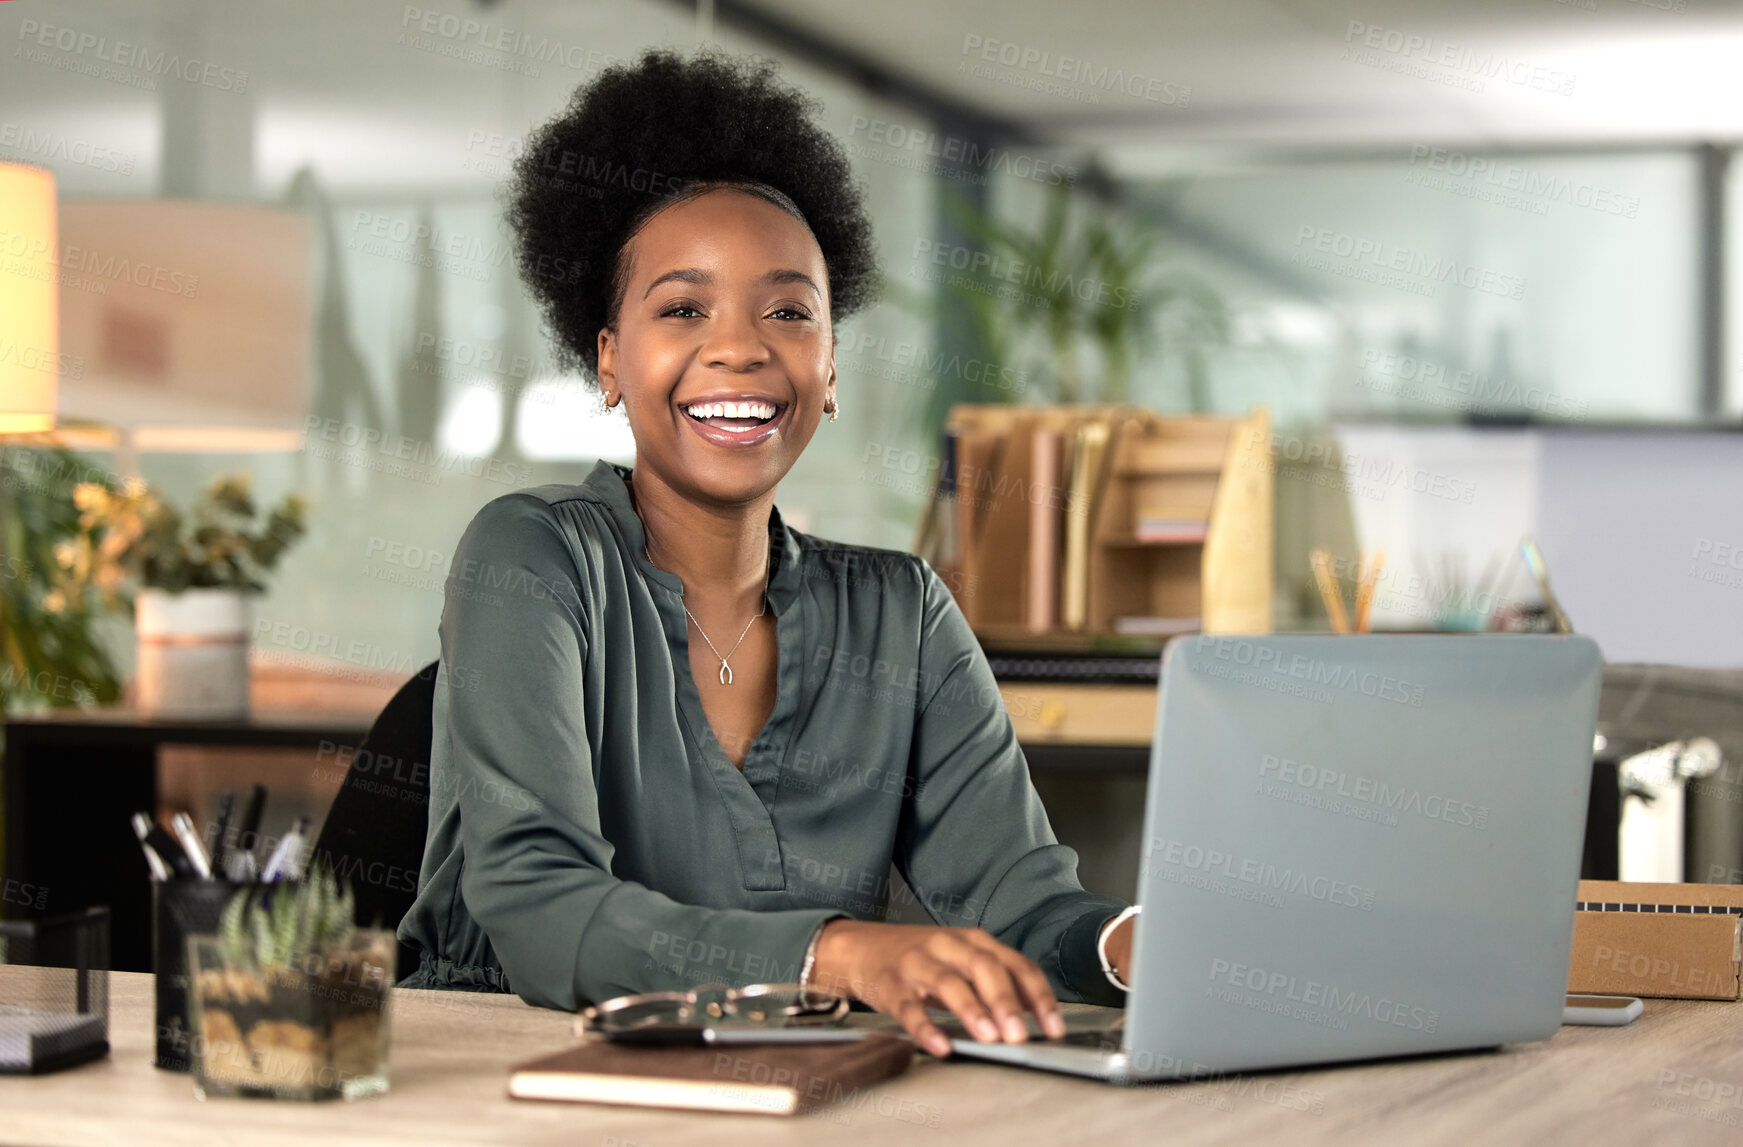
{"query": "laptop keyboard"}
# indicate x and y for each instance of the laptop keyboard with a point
(1095, 1040)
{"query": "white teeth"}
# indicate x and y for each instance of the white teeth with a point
(761, 410)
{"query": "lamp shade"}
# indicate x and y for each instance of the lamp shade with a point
(30, 358)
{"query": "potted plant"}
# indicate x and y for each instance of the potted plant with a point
(194, 574)
(289, 998)
(51, 650)
(1079, 300)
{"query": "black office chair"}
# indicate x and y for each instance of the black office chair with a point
(374, 833)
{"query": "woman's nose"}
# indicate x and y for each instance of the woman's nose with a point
(734, 341)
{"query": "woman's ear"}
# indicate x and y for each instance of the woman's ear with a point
(607, 364)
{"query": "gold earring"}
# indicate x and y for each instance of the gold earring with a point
(834, 408)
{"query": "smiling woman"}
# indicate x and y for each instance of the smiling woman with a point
(618, 806)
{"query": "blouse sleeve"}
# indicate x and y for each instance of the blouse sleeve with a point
(975, 829)
(537, 871)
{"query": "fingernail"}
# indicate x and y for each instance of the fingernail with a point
(1015, 1030)
(938, 1046)
(1055, 1024)
(984, 1031)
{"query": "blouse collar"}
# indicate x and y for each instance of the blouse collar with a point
(609, 483)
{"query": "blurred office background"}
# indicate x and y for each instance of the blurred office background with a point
(1481, 262)
(1411, 221)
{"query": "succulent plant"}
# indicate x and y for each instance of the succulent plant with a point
(282, 925)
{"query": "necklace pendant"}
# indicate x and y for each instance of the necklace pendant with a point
(725, 673)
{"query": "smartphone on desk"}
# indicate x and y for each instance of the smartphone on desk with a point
(691, 1035)
(1601, 1011)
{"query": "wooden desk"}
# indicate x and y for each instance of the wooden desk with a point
(451, 1051)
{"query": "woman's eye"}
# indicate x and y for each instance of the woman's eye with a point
(794, 311)
(680, 307)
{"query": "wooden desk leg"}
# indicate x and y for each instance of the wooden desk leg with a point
(68, 834)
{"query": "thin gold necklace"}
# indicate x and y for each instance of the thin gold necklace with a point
(725, 669)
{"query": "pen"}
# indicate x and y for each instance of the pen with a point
(183, 826)
(1366, 586)
(284, 863)
(1329, 591)
(159, 870)
(152, 836)
(241, 866)
(226, 804)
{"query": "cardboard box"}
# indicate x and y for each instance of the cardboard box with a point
(1681, 941)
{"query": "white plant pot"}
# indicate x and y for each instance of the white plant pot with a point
(193, 653)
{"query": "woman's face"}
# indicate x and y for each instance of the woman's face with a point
(723, 351)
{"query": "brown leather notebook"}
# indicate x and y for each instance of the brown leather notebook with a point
(767, 1079)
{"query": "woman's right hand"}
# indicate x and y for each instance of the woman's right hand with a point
(903, 968)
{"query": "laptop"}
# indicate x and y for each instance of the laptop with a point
(1355, 847)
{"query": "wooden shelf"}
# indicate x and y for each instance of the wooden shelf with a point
(1117, 466)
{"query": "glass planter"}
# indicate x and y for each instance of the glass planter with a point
(314, 1029)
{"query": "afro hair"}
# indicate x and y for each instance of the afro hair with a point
(637, 138)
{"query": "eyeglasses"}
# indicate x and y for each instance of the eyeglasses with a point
(714, 1005)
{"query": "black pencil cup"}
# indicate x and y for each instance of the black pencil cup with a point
(180, 908)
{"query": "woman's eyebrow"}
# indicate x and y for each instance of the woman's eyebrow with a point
(697, 275)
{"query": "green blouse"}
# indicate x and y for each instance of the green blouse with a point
(587, 835)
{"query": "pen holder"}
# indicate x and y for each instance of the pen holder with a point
(181, 908)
